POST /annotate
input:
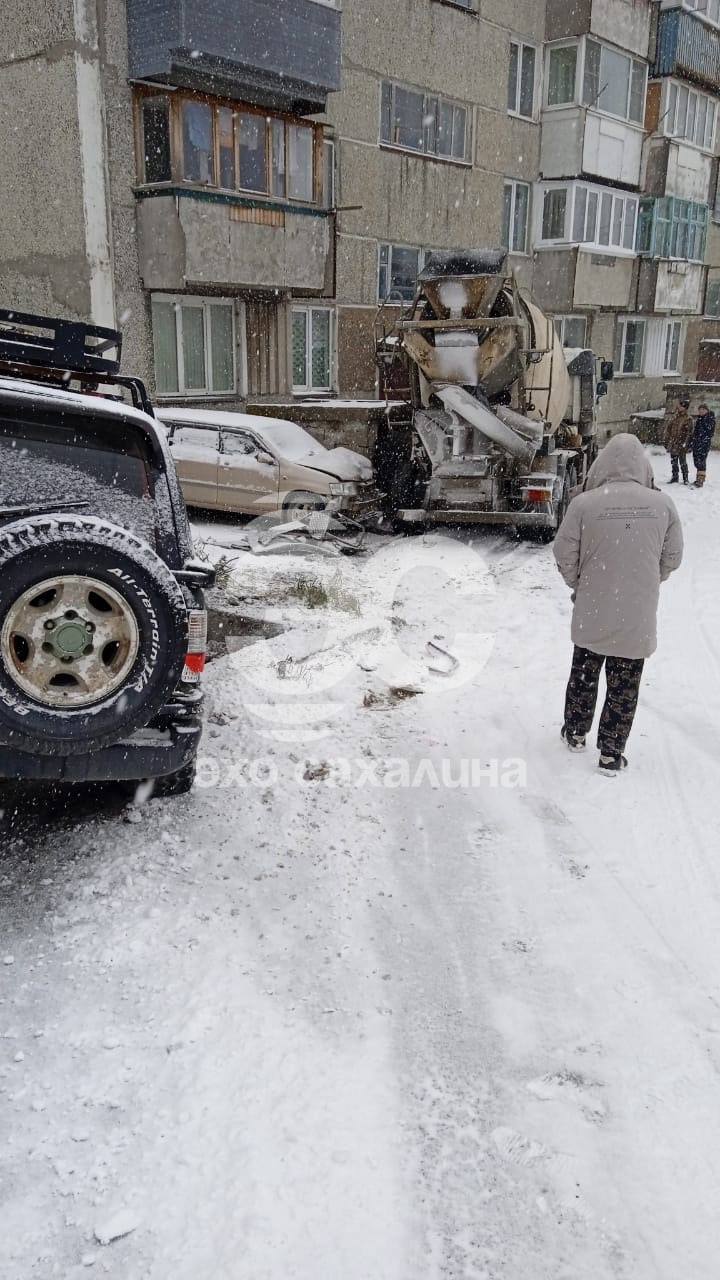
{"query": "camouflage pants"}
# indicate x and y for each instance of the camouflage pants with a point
(623, 688)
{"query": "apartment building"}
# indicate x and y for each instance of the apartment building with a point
(165, 169)
(243, 186)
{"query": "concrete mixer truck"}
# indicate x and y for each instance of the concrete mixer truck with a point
(501, 419)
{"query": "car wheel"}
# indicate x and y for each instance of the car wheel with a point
(93, 634)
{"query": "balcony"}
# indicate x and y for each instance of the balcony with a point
(578, 141)
(687, 47)
(239, 49)
(668, 286)
(675, 168)
(570, 279)
(188, 239)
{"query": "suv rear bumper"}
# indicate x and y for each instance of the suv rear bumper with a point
(170, 744)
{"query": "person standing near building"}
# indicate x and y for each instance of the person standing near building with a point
(619, 540)
(702, 439)
(678, 433)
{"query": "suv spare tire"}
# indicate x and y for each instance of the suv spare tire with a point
(93, 634)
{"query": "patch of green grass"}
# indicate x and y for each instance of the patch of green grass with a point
(316, 594)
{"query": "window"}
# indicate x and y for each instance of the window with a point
(709, 9)
(598, 217)
(423, 122)
(689, 115)
(554, 211)
(194, 340)
(328, 174)
(630, 346)
(233, 149)
(399, 267)
(155, 123)
(672, 228)
(521, 80)
(198, 145)
(614, 82)
(516, 209)
(238, 444)
(712, 298)
(562, 67)
(572, 330)
(205, 438)
(226, 147)
(673, 336)
(311, 348)
(252, 152)
(300, 162)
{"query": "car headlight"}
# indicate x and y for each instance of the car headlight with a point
(343, 489)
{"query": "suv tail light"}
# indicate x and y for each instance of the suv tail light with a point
(197, 645)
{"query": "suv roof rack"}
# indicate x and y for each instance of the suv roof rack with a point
(51, 349)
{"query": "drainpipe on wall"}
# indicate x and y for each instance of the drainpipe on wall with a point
(93, 163)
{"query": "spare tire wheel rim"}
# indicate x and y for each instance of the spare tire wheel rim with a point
(69, 641)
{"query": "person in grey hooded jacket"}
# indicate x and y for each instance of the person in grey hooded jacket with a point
(619, 540)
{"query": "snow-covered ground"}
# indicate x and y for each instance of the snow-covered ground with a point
(403, 990)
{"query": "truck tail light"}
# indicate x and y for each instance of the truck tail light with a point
(197, 645)
(539, 495)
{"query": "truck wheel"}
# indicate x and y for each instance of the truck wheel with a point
(93, 634)
(176, 784)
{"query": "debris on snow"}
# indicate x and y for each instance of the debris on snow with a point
(120, 1224)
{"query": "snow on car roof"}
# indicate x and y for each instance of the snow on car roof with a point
(221, 418)
(290, 438)
(57, 398)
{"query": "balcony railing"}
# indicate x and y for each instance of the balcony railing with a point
(284, 57)
(687, 47)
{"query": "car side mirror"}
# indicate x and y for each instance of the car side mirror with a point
(607, 370)
(266, 458)
(602, 389)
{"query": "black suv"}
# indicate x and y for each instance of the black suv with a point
(102, 620)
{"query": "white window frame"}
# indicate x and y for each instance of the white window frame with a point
(578, 98)
(579, 68)
(513, 184)
(521, 46)
(624, 205)
(390, 246)
(237, 311)
(708, 10)
(670, 113)
(670, 327)
(561, 323)
(329, 174)
(623, 322)
(428, 96)
(308, 309)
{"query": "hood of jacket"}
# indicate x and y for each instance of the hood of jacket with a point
(623, 458)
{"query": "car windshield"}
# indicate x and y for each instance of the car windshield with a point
(73, 460)
(289, 440)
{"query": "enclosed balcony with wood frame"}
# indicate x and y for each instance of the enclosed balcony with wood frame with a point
(230, 196)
